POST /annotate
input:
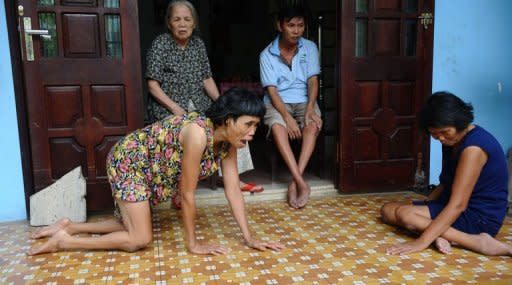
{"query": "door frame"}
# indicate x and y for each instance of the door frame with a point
(19, 96)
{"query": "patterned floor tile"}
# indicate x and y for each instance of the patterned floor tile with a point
(338, 240)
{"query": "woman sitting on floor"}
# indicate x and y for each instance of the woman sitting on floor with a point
(152, 163)
(470, 203)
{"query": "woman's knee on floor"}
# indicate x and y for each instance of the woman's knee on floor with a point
(406, 216)
(388, 212)
(138, 242)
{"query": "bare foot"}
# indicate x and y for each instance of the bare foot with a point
(303, 195)
(292, 195)
(51, 245)
(443, 245)
(491, 246)
(52, 229)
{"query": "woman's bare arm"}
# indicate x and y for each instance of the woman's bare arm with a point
(236, 201)
(211, 88)
(471, 162)
(156, 91)
(193, 140)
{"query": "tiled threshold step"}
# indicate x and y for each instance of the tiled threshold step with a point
(273, 192)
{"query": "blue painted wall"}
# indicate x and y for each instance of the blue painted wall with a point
(12, 204)
(472, 58)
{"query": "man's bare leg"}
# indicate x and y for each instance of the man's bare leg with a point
(280, 135)
(135, 234)
(292, 195)
(418, 218)
(309, 136)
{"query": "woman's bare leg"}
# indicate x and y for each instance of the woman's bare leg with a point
(135, 234)
(443, 245)
(388, 212)
(417, 218)
(388, 215)
(100, 227)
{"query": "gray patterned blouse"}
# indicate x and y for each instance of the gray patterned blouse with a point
(180, 73)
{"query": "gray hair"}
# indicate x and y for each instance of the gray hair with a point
(187, 4)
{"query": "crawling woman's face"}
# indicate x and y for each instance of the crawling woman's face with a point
(241, 131)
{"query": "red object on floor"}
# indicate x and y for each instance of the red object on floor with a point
(176, 201)
(251, 187)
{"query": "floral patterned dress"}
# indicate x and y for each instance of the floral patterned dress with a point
(146, 164)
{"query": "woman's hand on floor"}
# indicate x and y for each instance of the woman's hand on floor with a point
(264, 245)
(407, 247)
(209, 249)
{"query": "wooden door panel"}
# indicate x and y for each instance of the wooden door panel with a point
(107, 105)
(384, 82)
(386, 37)
(388, 5)
(66, 154)
(80, 35)
(90, 3)
(64, 106)
(92, 96)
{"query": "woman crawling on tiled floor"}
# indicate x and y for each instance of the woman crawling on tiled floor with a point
(152, 163)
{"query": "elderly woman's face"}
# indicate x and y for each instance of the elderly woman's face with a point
(181, 23)
(241, 131)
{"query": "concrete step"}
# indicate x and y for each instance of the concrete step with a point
(273, 192)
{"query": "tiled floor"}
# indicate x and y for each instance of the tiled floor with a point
(334, 240)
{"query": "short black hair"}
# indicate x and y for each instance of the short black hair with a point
(289, 12)
(443, 109)
(234, 103)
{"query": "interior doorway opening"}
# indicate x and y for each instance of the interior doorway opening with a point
(235, 32)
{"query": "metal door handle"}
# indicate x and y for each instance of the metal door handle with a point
(36, 32)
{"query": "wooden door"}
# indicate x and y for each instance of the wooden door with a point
(385, 75)
(82, 87)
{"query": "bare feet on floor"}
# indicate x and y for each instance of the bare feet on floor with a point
(292, 195)
(491, 246)
(51, 245)
(303, 195)
(443, 245)
(51, 229)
